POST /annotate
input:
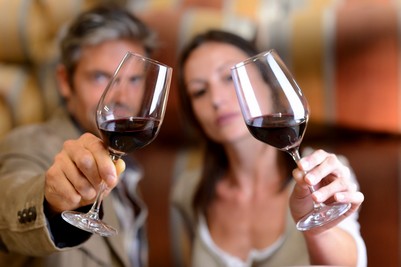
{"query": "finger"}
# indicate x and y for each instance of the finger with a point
(59, 191)
(329, 167)
(83, 164)
(309, 162)
(312, 167)
(76, 178)
(350, 197)
(331, 189)
(104, 169)
(120, 166)
(299, 175)
(92, 159)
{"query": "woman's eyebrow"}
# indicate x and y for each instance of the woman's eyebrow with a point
(226, 65)
(196, 81)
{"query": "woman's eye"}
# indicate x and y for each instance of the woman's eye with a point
(228, 78)
(198, 92)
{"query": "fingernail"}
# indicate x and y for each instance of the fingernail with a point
(318, 196)
(340, 196)
(298, 174)
(305, 165)
(310, 178)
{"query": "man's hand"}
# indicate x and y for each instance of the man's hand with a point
(77, 172)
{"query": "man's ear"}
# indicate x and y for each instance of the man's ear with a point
(63, 81)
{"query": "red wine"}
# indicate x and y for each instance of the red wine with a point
(128, 134)
(283, 132)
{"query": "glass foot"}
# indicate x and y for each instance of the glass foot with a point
(87, 223)
(322, 215)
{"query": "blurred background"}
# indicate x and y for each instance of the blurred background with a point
(344, 54)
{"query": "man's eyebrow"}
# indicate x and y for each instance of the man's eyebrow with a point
(96, 71)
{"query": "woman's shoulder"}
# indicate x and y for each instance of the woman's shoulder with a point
(186, 178)
(187, 171)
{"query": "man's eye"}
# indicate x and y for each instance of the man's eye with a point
(136, 79)
(101, 77)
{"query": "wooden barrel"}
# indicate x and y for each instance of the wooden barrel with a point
(5, 116)
(21, 93)
(46, 77)
(60, 12)
(311, 56)
(29, 27)
(368, 66)
(24, 33)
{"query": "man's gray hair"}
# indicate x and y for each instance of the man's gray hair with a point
(101, 24)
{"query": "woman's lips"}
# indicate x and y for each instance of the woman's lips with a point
(226, 118)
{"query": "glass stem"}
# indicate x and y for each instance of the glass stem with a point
(295, 155)
(94, 211)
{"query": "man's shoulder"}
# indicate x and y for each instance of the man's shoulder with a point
(41, 135)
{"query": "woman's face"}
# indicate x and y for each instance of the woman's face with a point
(211, 90)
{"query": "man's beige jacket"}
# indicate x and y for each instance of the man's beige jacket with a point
(25, 238)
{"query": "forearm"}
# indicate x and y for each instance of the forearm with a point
(332, 247)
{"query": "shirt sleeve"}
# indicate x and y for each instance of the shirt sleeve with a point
(64, 234)
(352, 226)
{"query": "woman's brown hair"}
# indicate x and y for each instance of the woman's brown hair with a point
(215, 162)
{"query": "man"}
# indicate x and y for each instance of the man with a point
(58, 165)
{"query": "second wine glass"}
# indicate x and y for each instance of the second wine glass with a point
(129, 115)
(276, 112)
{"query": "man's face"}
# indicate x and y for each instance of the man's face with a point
(92, 74)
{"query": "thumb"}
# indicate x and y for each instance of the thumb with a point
(120, 166)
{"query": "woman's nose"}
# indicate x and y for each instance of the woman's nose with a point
(217, 96)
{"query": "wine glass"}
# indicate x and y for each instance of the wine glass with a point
(276, 112)
(129, 115)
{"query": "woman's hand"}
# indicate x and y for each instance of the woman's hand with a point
(332, 181)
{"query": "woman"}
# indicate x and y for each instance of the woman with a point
(241, 207)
